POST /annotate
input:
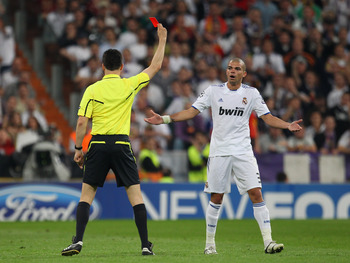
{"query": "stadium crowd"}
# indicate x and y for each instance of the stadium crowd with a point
(297, 55)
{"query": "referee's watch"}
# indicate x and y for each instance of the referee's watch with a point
(78, 148)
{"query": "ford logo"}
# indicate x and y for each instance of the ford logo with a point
(38, 202)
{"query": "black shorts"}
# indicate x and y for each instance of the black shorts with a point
(110, 152)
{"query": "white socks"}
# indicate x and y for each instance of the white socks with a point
(212, 217)
(262, 216)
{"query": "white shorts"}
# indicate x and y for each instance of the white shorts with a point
(223, 170)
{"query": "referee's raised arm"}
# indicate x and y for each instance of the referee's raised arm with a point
(157, 59)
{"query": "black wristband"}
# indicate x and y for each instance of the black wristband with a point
(78, 148)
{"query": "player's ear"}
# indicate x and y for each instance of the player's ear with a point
(245, 74)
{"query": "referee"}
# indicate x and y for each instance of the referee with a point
(108, 103)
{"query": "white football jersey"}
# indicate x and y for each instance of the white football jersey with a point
(231, 110)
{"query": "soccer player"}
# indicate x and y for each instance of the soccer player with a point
(108, 103)
(231, 151)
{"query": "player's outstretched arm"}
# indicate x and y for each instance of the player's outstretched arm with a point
(278, 123)
(294, 126)
(156, 119)
(157, 59)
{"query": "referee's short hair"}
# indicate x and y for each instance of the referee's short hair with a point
(112, 59)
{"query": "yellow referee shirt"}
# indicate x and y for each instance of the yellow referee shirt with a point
(108, 102)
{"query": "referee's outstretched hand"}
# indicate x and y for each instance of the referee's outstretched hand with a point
(294, 126)
(161, 31)
(155, 119)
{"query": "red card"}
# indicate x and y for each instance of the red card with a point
(154, 21)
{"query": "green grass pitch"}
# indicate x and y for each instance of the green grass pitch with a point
(176, 241)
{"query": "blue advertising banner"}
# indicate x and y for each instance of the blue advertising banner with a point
(38, 202)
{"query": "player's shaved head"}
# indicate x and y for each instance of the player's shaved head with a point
(240, 61)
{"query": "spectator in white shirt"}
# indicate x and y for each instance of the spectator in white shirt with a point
(211, 79)
(58, 18)
(131, 67)
(300, 142)
(181, 9)
(179, 102)
(24, 77)
(110, 41)
(340, 86)
(22, 96)
(268, 63)
(132, 9)
(139, 48)
(11, 77)
(164, 78)
(97, 32)
(273, 142)
(79, 53)
(102, 13)
(176, 60)
(7, 46)
(89, 74)
(32, 110)
(129, 36)
(342, 9)
(344, 143)
(316, 124)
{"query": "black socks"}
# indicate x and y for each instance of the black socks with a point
(140, 214)
(83, 213)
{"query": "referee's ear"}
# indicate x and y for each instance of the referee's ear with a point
(121, 67)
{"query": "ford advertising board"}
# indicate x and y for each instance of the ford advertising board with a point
(38, 202)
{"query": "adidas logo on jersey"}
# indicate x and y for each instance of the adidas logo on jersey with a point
(234, 112)
(220, 100)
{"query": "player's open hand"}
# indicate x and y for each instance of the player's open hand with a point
(294, 126)
(162, 32)
(155, 119)
(79, 158)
